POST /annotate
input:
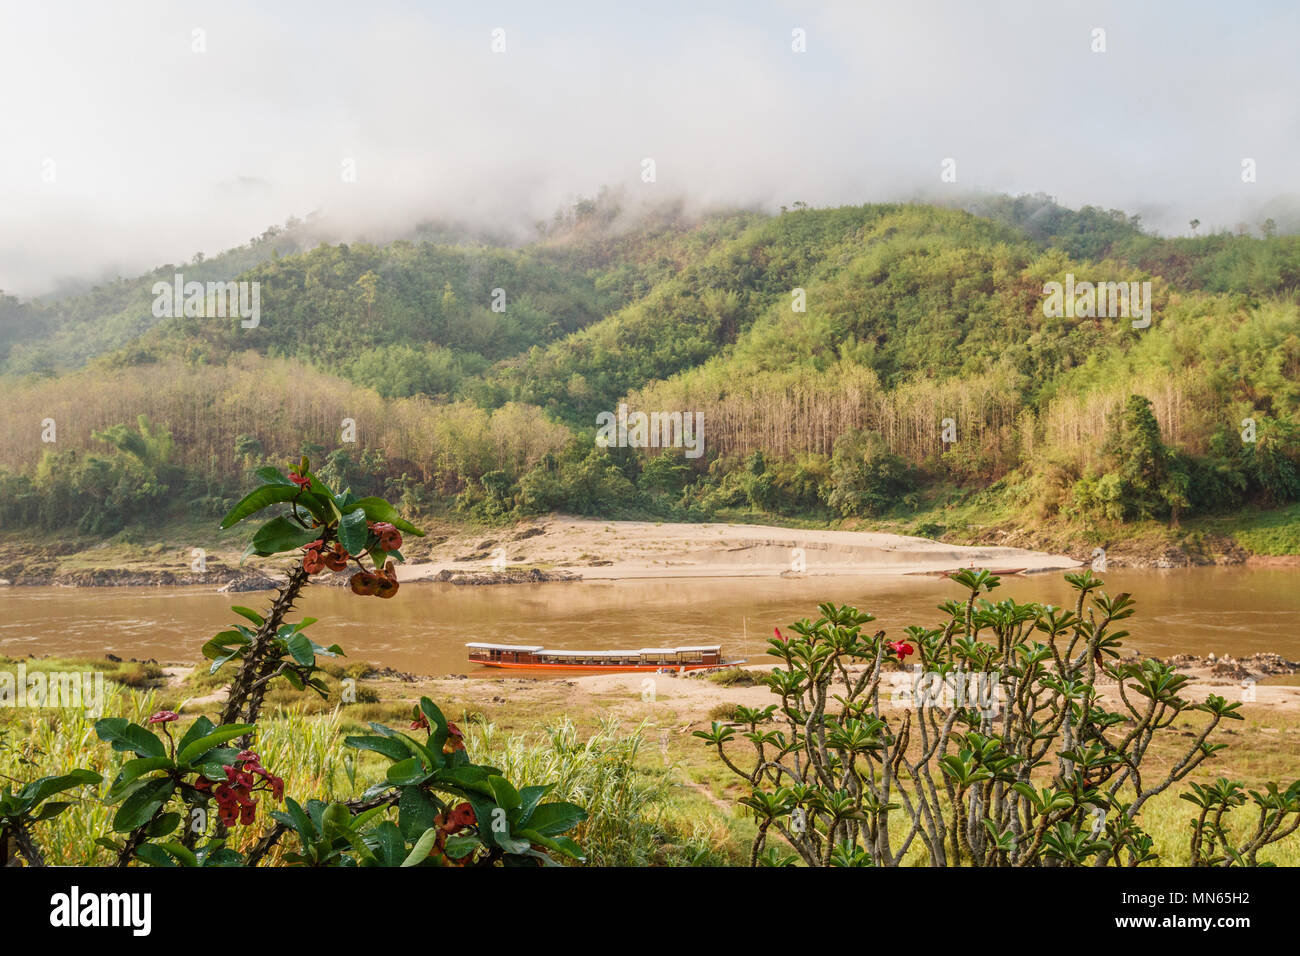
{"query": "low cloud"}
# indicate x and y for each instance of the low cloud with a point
(127, 146)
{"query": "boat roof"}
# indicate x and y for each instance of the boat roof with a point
(506, 647)
(589, 653)
(538, 649)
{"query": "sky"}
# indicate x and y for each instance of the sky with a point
(128, 139)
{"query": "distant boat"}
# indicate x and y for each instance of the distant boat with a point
(999, 571)
(526, 657)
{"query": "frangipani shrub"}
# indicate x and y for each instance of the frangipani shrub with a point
(1031, 768)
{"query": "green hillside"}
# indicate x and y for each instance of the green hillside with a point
(886, 364)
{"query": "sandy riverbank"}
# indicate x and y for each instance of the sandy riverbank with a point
(694, 700)
(618, 550)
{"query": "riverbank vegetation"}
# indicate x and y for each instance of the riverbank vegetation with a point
(654, 794)
(921, 376)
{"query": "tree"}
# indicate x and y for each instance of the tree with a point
(866, 477)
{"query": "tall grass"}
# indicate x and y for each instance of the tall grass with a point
(635, 814)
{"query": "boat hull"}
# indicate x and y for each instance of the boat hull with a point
(605, 668)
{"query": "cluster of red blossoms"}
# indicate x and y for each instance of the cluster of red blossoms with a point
(235, 803)
(455, 739)
(317, 558)
(456, 819)
(379, 583)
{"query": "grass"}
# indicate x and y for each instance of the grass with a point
(1274, 532)
(641, 811)
(655, 795)
(736, 677)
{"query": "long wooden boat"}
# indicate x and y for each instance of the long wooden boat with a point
(1001, 572)
(531, 657)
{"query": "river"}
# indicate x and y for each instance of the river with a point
(1236, 611)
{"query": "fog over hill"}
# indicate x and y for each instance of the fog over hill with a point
(139, 137)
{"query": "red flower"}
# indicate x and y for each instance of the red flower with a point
(364, 583)
(779, 636)
(390, 539)
(302, 481)
(164, 717)
(336, 559)
(901, 648)
(421, 722)
(312, 562)
(462, 815)
(455, 739)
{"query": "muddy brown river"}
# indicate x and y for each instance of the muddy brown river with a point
(1236, 611)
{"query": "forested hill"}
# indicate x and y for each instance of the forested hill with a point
(883, 362)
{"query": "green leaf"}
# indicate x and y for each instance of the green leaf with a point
(470, 778)
(406, 772)
(46, 787)
(200, 728)
(377, 509)
(136, 809)
(133, 769)
(415, 811)
(390, 748)
(183, 855)
(164, 825)
(531, 797)
(273, 476)
(124, 735)
(219, 645)
(420, 851)
(249, 613)
(388, 841)
(550, 819)
(50, 809)
(256, 500)
(302, 649)
(438, 732)
(461, 845)
(212, 764)
(507, 796)
(281, 534)
(353, 532)
(560, 844)
(154, 855)
(215, 739)
(299, 820)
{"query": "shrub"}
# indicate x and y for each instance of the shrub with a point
(434, 807)
(1027, 768)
